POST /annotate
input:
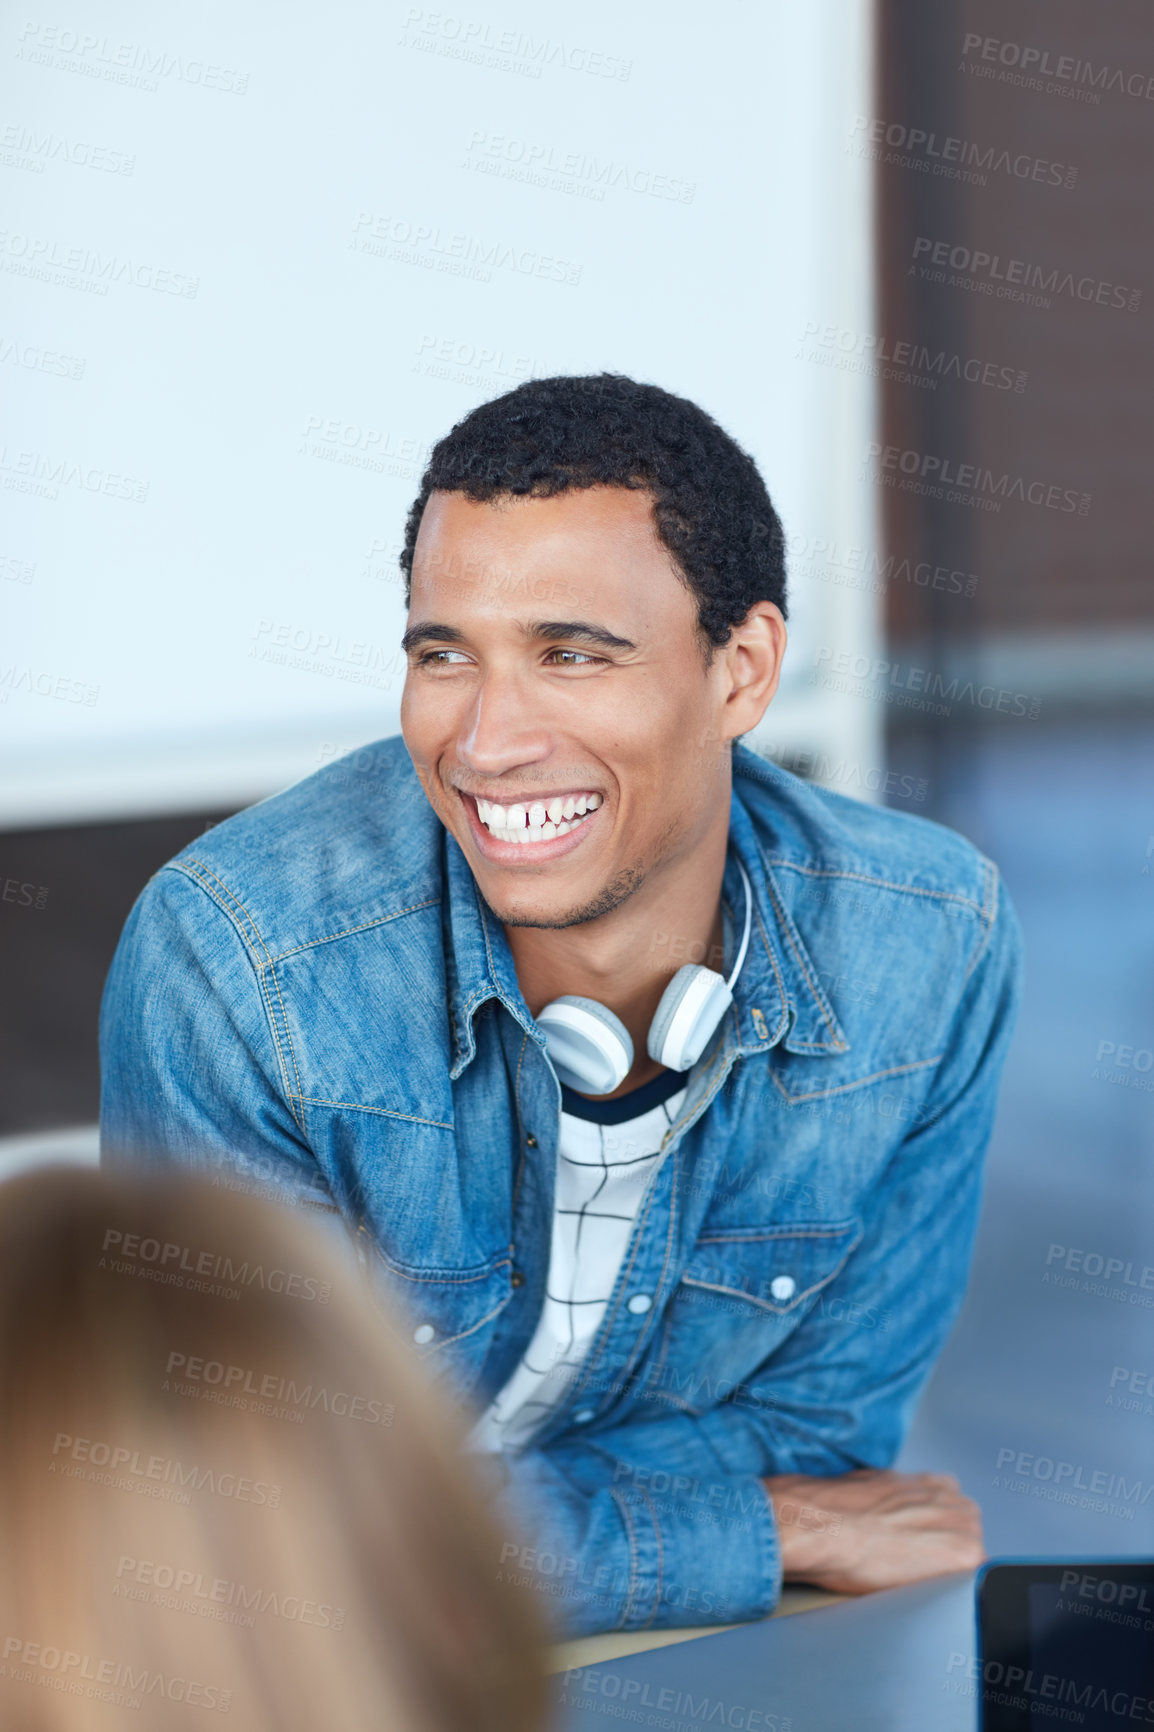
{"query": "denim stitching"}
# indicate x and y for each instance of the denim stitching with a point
(446, 1280)
(653, 1376)
(631, 1536)
(450, 1339)
(351, 931)
(672, 1400)
(717, 1062)
(385, 1112)
(492, 967)
(479, 995)
(784, 995)
(202, 872)
(838, 1045)
(262, 986)
(882, 883)
(843, 1088)
(288, 1037)
(456, 1039)
(199, 876)
(520, 1123)
(991, 902)
(764, 1304)
(648, 1624)
(488, 947)
(783, 1232)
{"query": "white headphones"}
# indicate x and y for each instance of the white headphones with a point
(591, 1049)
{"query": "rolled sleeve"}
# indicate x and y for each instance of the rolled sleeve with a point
(623, 1539)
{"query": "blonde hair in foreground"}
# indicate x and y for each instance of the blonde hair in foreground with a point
(224, 1486)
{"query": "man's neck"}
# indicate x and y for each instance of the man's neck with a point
(626, 959)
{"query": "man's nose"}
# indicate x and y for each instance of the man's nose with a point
(504, 726)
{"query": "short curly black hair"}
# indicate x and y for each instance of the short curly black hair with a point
(710, 505)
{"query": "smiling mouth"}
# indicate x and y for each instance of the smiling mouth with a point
(536, 820)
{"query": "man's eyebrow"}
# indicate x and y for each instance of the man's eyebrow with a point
(430, 632)
(541, 630)
(578, 630)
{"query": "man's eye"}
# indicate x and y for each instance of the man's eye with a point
(435, 655)
(578, 657)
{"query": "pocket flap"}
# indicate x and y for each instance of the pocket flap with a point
(440, 1307)
(777, 1266)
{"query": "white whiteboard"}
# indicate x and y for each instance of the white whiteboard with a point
(253, 262)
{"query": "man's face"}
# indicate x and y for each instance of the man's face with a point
(554, 661)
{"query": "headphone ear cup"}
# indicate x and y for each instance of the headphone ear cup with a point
(589, 1047)
(691, 1007)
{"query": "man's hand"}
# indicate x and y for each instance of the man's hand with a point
(874, 1528)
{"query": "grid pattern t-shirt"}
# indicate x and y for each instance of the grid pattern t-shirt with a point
(606, 1155)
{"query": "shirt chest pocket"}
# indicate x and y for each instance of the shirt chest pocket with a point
(742, 1293)
(446, 1314)
(774, 1269)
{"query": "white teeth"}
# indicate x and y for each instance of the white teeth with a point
(540, 821)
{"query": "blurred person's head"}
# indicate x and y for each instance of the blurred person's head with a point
(224, 1485)
(596, 586)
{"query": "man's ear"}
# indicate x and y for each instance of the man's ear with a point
(752, 667)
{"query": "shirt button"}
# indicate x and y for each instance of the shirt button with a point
(423, 1334)
(640, 1302)
(783, 1286)
(531, 1141)
(583, 1418)
(517, 1279)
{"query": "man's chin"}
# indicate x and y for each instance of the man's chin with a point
(555, 915)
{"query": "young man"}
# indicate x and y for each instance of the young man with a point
(691, 1299)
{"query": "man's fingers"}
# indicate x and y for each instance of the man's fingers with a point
(947, 1514)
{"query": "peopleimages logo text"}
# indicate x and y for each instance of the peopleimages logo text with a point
(973, 478)
(892, 680)
(917, 143)
(1047, 280)
(1064, 67)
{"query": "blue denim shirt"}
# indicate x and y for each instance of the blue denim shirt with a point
(314, 996)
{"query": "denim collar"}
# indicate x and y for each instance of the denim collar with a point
(777, 996)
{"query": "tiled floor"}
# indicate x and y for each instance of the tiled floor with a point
(1050, 1357)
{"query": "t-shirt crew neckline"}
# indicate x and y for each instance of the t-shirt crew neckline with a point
(624, 1107)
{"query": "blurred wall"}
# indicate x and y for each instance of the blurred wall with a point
(253, 264)
(1016, 265)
